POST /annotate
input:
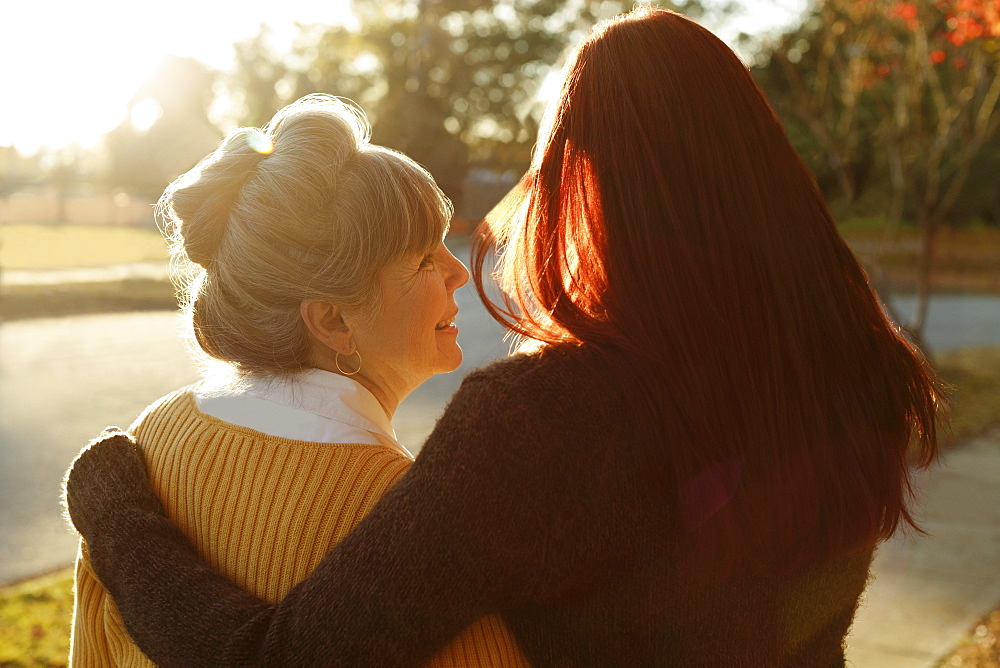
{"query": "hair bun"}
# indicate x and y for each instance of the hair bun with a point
(199, 204)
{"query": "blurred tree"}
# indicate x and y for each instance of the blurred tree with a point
(939, 65)
(449, 82)
(11, 175)
(921, 78)
(816, 76)
(167, 130)
(62, 178)
(981, 197)
(256, 77)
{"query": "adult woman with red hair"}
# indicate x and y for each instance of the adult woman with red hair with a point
(692, 465)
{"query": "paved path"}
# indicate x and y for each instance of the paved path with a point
(928, 591)
(115, 272)
(61, 381)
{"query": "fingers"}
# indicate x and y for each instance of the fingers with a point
(105, 455)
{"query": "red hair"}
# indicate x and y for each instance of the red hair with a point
(667, 223)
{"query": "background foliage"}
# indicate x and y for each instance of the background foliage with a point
(892, 104)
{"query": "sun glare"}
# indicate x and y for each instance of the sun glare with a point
(70, 69)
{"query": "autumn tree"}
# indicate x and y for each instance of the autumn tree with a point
(817, 76)
(918, 80)
(939, 65)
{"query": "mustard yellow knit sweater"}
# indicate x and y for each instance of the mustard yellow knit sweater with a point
(261, 509)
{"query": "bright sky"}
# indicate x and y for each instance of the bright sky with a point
(69, 67)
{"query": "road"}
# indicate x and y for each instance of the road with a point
(957, 321)
(63, 379)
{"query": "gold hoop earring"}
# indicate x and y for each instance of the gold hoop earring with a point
(336, 361)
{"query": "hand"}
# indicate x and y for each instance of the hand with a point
(107, 478)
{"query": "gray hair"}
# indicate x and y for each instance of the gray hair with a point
(304, 208)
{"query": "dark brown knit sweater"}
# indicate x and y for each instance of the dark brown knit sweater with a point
(529, 500)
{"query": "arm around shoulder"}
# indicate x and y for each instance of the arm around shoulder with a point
(459, 536)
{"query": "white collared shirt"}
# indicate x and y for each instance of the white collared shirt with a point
(311, 405)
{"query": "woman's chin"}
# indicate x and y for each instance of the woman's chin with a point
(450, 360)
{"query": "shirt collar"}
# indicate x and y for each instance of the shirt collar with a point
(326, 394)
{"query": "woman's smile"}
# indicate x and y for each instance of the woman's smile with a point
(448, 324)
(414, 335)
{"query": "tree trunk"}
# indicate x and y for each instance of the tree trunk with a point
(929, 226)
(61, 207)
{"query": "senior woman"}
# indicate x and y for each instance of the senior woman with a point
(323, 283)
(694, 465)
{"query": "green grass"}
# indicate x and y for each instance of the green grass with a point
(72, 246)
(69, 246)
(35, 618)
(974, 377)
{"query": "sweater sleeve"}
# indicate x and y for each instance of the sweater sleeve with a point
(465, 532)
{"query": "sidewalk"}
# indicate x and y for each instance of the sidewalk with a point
(927, 591)
(106, 273)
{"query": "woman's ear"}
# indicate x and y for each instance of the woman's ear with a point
(326, 325)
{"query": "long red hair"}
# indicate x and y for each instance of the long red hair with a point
(667, 222)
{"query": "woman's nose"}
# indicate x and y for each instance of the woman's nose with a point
(458, 274)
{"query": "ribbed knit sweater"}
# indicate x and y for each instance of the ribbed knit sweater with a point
(528, 500)
(261, 509)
